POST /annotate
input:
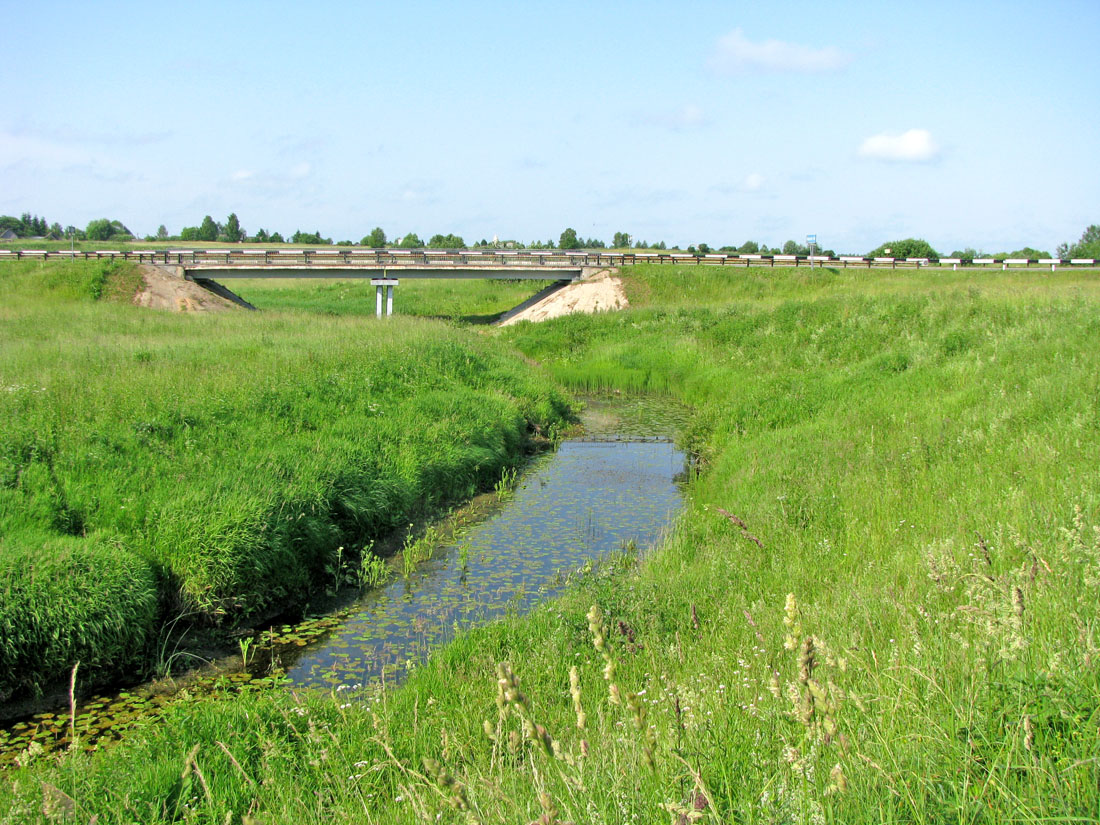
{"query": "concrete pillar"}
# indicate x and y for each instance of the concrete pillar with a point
(389, 300)
(378, 301)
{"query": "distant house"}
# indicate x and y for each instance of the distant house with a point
(8, 235)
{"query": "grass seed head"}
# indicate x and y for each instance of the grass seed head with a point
(838, 782)
(791, 622)
(575, 692)
(806, 660)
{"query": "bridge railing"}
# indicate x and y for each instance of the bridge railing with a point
(472, 258)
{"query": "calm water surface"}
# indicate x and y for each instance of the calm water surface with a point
(587, 500)
(582, 502)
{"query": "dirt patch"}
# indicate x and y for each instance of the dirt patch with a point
(164, 289)
(599, 293)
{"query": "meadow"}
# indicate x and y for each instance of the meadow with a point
(458, 301)
(878, 606)
(216, 467)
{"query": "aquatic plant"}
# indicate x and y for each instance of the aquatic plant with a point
(373, 571)
(505, 483)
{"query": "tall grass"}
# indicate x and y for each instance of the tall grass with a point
(879, 606)
(230, 456)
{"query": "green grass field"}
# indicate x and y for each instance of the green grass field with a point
(461, 301)
(210, 466)
(880, 604)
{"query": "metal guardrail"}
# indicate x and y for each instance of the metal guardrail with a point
(465, 258)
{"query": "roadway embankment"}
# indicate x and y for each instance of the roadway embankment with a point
(598, 291)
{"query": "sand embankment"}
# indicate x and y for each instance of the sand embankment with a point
(598, 293)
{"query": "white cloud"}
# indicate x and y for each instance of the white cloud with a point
(242, 174)
(752, 182)
(735, 53)
(914, 146)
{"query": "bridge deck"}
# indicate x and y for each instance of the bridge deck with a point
(319, 270)
(343, 260)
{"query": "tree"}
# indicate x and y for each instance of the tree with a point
(309, 237)
(967, 255)
(1028, 252)
(233, 231)
(162, 233)
(261, 236)
(448, 241)
(410, 241)
(905, 248)
(1087, 247)
(621, 240)
(208, 230)
(569, 239)
(98, 230)
(190, 233)
(749, 248)
(276, 237)
(703, 249)
(376, 239)
(119, 230)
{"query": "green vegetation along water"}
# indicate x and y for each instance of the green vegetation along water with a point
(586, 500)
(879, 604)
(158, 468)
(618, 490)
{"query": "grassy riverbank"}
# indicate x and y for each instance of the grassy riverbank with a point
(155, 466)
(879, 606)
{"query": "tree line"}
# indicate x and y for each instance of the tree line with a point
(33, 226)
(231, 231)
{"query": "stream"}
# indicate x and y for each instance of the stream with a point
(616, 489)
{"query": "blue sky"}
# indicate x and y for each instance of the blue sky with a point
(967, 124)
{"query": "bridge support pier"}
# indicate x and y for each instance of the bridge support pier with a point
(381, 284)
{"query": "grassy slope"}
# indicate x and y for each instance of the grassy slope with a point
(456, 300)
(212, 465)
(867, 430)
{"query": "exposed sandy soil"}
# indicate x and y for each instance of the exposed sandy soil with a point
(162, 289)
(598, 293)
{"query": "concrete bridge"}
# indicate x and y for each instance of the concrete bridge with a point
(548, 264)
(385, 267)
